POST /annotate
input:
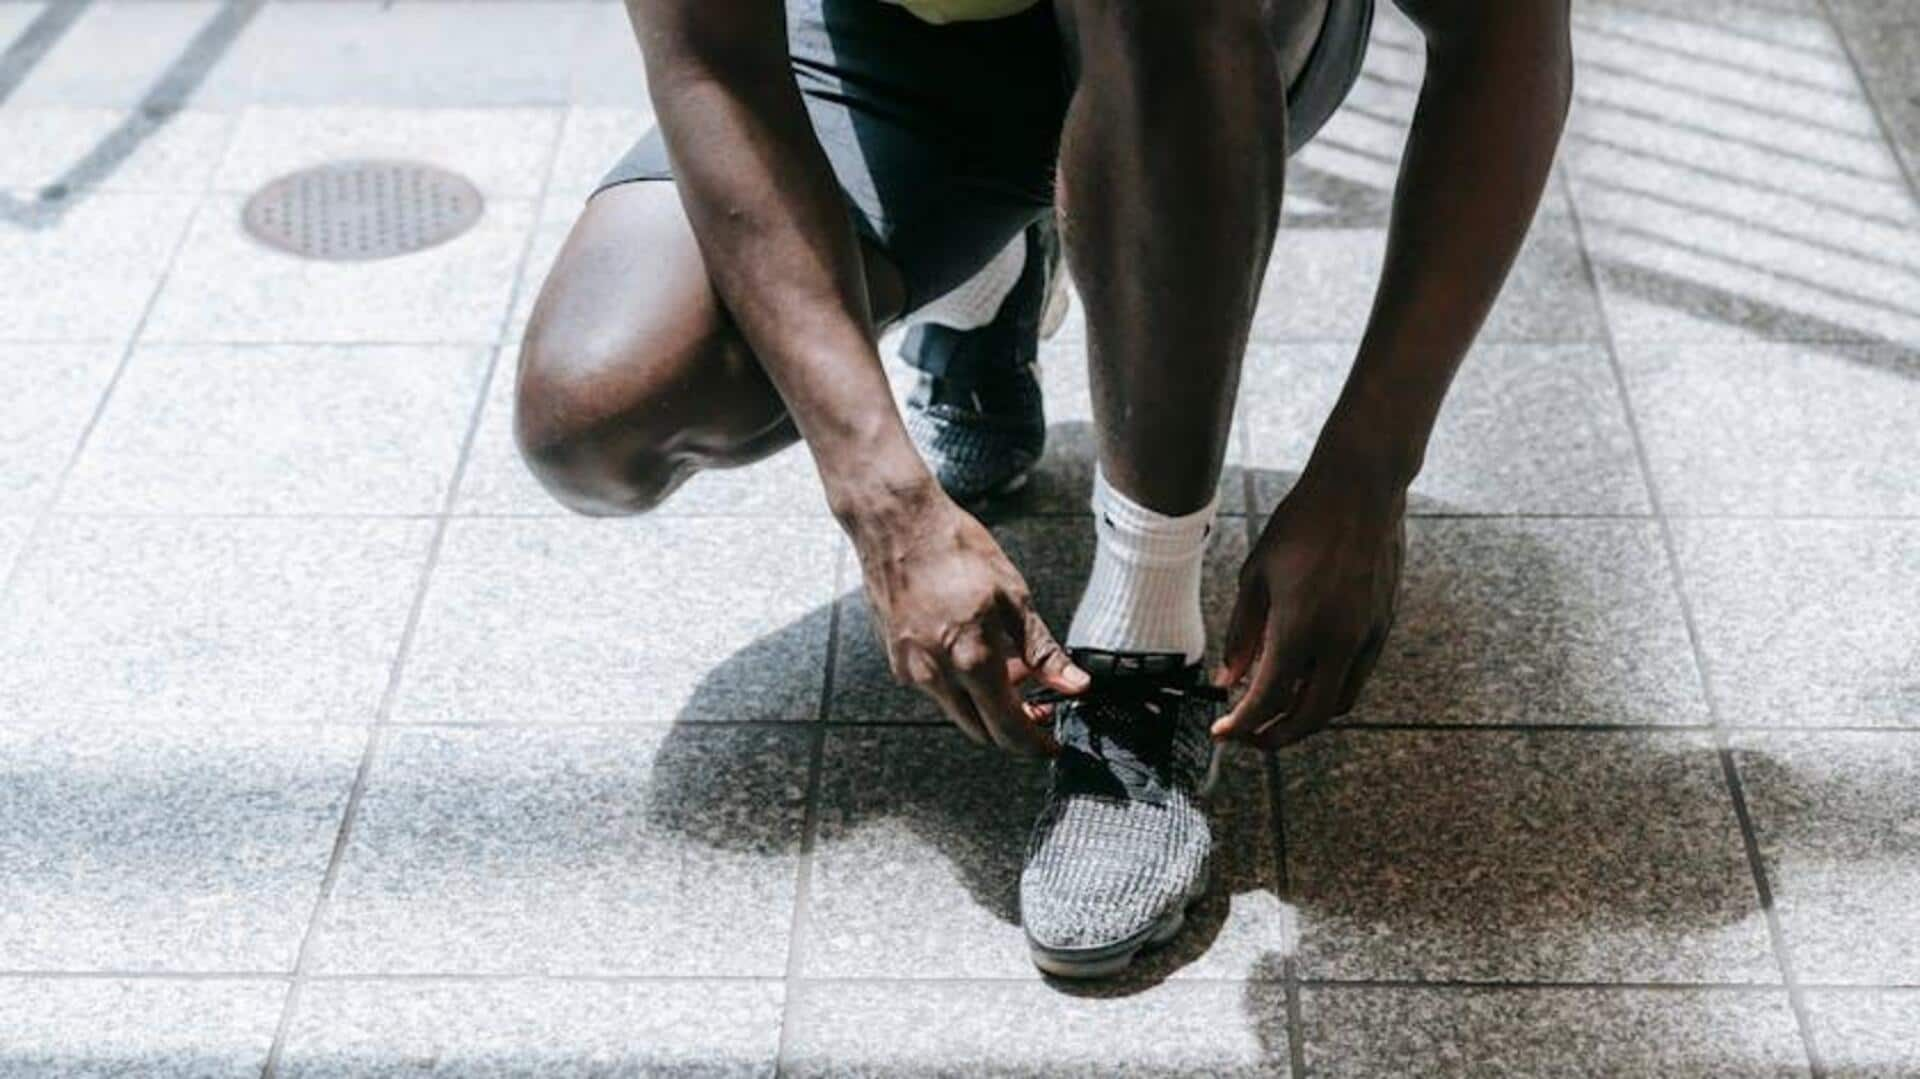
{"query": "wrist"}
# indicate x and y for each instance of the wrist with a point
(880, 494)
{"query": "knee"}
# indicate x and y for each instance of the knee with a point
(584, 433)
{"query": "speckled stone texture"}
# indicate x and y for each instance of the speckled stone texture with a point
(504, 151)
(1710, 216)
(101, 1028)
(1536, 621)
(1868, 1034)
(531, 1027)
(1188, 1029)
(1365, 1033)
(87, 274)
(1838, 820)
(1779, 429)
(646, 851)
(537, 621)
(47, 394)
(916, 866)
(1543, 856)
(1807, 623)
(247, 621)
(138, 849)
(218, 429)
(1526, 429)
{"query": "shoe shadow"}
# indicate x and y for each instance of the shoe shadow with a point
(904, 805)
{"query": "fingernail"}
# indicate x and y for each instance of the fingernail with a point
(1078, 678)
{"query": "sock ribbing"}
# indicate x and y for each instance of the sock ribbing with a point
(1144, 592)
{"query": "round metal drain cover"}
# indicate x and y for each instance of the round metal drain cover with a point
(350, 211)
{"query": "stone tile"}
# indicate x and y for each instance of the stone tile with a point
(281, 429)
(52, 145)
(1320, 285)
(1344, 177)
(1807, 623)
(497, 481)
(47, 395)
(143, 39)
(1778, 429)
(1868, 1035)
(1837, 816)
(593, 138)
(366, 52)
(504, 152)
(226, 287)
(1536, 621)
(1526, 429)
(96, 1028)
(658, 850)
(1055, 555)
(533, 621)
(533, 1027)
(1884, 44)
(143, 848)
(605, 61)
(1519, 856)
(1481, 1032)
(555, 223)
(934, 1029)
(13, 536)
(237, 621)
(1734, 183)
(916, 867)
(86, 272)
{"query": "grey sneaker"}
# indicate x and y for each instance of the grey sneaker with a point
(975, 411)
(980, 438)
(1121, 847)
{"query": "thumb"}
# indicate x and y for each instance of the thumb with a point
(1049, 662)
(1245, 630)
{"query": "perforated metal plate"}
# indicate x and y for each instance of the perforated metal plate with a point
(349, 211)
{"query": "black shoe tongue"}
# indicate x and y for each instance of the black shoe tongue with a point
(1117, 756)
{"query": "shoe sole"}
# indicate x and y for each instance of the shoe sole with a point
(1087, 963)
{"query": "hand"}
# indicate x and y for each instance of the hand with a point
(1316, 601)
(958, 623)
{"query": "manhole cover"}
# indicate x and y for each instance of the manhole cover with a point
(354, 210)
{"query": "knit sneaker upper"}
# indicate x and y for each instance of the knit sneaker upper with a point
(1122, 841)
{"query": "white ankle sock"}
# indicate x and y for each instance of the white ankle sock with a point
(974, 302)
(1144, 592)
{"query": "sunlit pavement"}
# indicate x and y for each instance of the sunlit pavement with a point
(329, 745)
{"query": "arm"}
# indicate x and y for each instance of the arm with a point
(1317, 596)
(781, 251)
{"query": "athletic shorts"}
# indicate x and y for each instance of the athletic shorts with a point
(945, 138)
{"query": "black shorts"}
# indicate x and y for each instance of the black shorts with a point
(945, 138)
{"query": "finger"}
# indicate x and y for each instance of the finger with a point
(1357, 676)
(1244, 631)
(1049, 663)
(958, 709)
(1314, 708)
(1270, 692)
(995, 699)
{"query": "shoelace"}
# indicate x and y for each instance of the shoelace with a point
(1138, 754)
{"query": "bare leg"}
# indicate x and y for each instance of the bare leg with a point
(1172, 166)
(632, 376)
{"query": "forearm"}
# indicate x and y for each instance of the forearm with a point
(1477, 160)
(779, 246)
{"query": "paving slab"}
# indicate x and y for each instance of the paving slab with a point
(646, 851)
(1807, 623)
(1523, 1032)
(1560, 856)
(48, 393)
(1536, 622)
(1835, 814)
(496, 1029)
(210, 620)
(1870, 1034)
(96, 1028)
(85, 272)
(166, 849)
(541, 621)
(281, 429)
